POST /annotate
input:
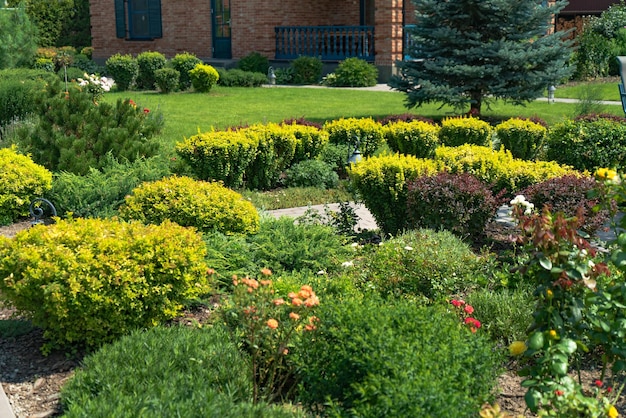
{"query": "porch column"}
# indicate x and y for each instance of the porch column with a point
(388, 35)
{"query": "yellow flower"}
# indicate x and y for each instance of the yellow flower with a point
(612, 412)
(605, 174)
(549, 294)
(552, 334)
(517, 348)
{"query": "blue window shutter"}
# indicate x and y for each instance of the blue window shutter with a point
(154, 16)
(120, 19)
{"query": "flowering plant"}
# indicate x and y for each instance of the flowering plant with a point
(465, 310)
(96, 85)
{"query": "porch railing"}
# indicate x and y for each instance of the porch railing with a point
(330, 43)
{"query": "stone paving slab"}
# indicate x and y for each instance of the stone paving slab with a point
(5, 406)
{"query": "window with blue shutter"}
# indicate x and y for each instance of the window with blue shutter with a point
(138, 19)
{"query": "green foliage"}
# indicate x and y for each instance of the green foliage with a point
(588, 144)
(18, 38)
(167, 79)
(311, 173)
(239, 78)
(524, 138)
(123, 69)
(12, 328)
(593, 55)
(364, 133)
(49, 17)
(157, 372)
(306, 70)
(21, 181)
(336, 156)
(373, 359)
(205, 206)
(184, 63)
(459, 131)
(75, 134)
(99, 193)
(203, 77)
(355, 72)
(476, 51)
(297, 196)
(148, 62)
(17, 93)
(45, 64)
(415, 138)
(459, 203)
(89, 281)
(382, 184)
(254, 62)
(310, 141)
(284, 75)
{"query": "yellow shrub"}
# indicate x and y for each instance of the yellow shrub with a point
(368, 134)
(415, 138)
(522, 137)
(459, 131)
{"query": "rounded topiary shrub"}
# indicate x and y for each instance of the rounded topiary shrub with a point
(416, 138)
(188, 202)
(311, 173)
(167, 79)
(354, 72)
(21, 181)
(524, 138)
(254, 62)
(306, 70)
(148, 63)
(123, 69)
(373, 359)
(203, 77)
(183, 63)
(459, 131)
(459, 203)
(159, 371)
(88, 281)
(363, 133)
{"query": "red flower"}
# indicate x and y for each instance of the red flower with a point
(457, 303)
(558, 392)
(598, 383)
(609, 389)
(146, 110)
(469, 309)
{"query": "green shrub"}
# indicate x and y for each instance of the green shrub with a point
(89, 281)
(415, 138)
(239, 78)
(524, 138)
(307, 70)
(72, 74)
(355, 72)
(254, 62)
(123, 69)
(420, 264)
(382, 184)
(310, 140)
(284, 75)
(17, 98)
(219, 155)
(183, 63)
(336, 156)
(188, 202)
(229, 255)
(74, 134)
(21, 181)
(86, 64)
(99, 193)
(459, 131)
(45, 64)
(311, 173)
(376, 359)
(588, 144)
(203, 77)
(148, 63)
(167, 79)
(364, 133)
(459, 203)
(157, 372)
(18, 37)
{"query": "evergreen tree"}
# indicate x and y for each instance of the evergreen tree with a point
(18, 38)
(474, 50)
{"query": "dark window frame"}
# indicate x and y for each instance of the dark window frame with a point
(124, 12)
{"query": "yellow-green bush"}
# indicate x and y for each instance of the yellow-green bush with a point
(368, 134)
(382, 184)
(21, 181)
(524, 138)
(88, 281)
(219, 155)
(309, 141)
(498, 169)
(415, 138)
(188, 202)
(203, 77)
(459, 131)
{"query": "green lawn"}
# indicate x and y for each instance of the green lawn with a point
(602, 89)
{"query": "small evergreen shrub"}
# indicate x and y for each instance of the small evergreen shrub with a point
(148, 63)
(239, 78)
(525, 139)
(203, 78)
(306, 70)
(382, 184)
(355, 72)
(376, 359)
(123, 69)
(588, 144)
(86, 64)
(21, 181)
(311, 173)
(459, 203)
(364, 133)
(188, 202)
(167, 79)
(459, 131)
(17, 98)
(336, 156)
(254, 62)
(89, 281)
(416, 138)
(569, 194)
(183, 63)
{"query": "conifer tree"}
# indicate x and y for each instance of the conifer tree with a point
(471, 51)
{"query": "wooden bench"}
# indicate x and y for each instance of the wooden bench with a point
(622, 86)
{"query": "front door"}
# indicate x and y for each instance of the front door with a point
(220, 16)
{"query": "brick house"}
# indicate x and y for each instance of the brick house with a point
(216, 30)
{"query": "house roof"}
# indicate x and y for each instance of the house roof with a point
(587, 6)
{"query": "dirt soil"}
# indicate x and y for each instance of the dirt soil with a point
(33, 382)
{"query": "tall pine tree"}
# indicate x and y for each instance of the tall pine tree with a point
(474, 50)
